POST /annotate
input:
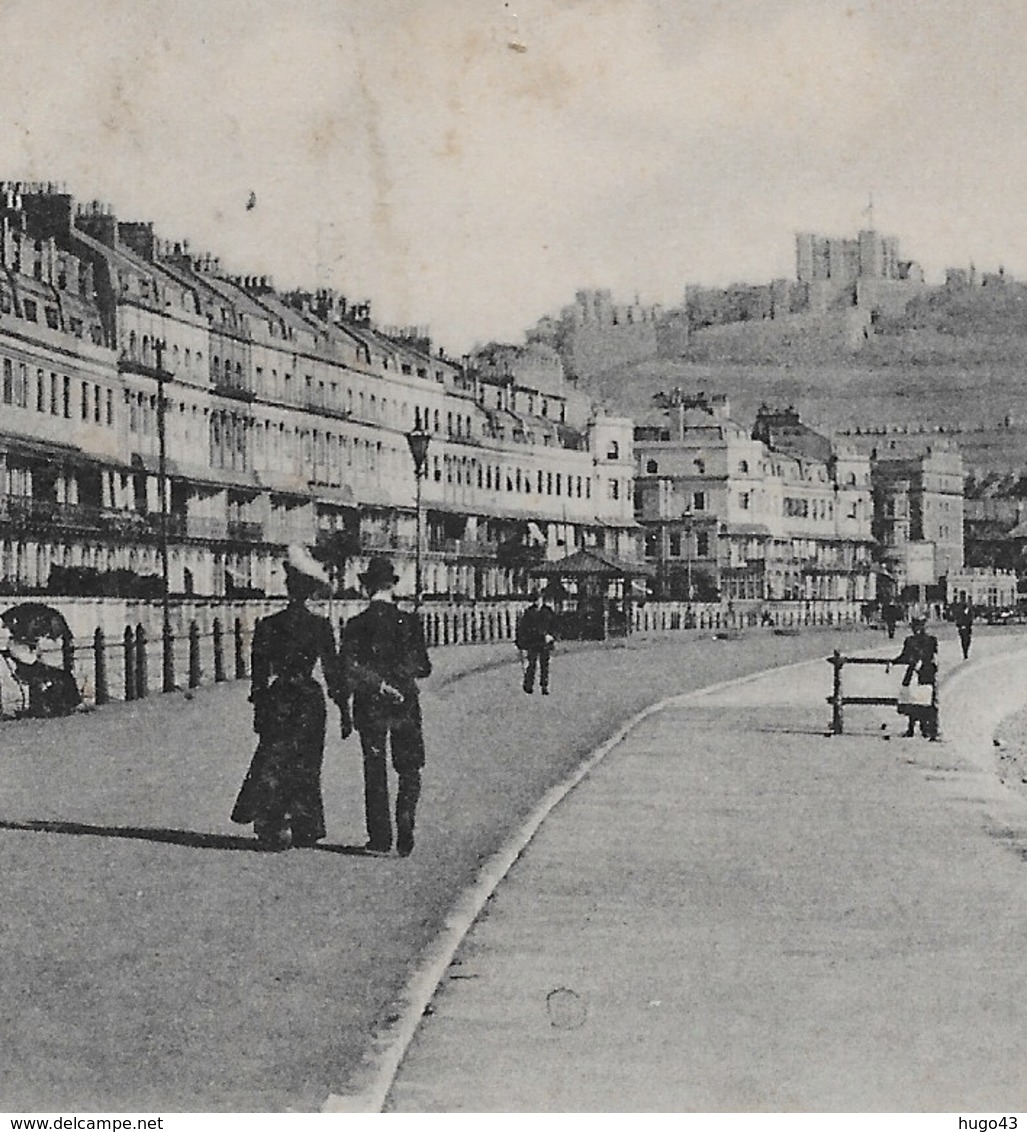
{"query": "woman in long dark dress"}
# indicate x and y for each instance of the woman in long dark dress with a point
(920, 656)
(281, 793)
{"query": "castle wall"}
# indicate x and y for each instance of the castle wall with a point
(889, 296)
(595, 334)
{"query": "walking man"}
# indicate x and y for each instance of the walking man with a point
(536, 634)
(964, 619)
(890, 616)
(383, 655)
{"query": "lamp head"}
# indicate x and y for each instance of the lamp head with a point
(418, 440)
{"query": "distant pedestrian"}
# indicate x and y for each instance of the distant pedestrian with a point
(383, 655)
(964, 619)
(918, 698)
(536, 636)
(281, 793)
(890, 616)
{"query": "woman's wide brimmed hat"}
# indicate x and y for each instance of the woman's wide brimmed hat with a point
(379, 573)
(300, 563)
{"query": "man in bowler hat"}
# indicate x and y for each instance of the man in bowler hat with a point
(536, 634)
(383, 655)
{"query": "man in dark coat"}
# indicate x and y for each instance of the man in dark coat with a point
(964, 619)
(920, 656)
(383, 655)
(536, 634)
(890, 617)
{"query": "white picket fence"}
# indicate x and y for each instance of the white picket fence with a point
(116, 649)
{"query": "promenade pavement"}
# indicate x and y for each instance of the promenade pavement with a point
(734, 912)
(151, 961)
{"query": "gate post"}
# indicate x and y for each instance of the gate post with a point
(837, 717)
(167, 655)
(129, 646)
(240, 652)
(100, 665)
(219, 652)
(142, 675)
(194, 655)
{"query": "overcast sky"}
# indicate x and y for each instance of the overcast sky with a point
(469, 164)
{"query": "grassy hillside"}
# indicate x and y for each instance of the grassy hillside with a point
(955, 361)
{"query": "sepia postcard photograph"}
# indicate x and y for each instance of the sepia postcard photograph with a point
(513, 561)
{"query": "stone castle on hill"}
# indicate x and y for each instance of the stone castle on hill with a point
(845, 292)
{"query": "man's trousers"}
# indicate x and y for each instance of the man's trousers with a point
(537, 658)
(407, 749)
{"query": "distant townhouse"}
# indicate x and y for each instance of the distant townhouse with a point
(918, 512)
(995, 521)
(769, 513)
(285, 418)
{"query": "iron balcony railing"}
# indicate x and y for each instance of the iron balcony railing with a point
(385, 540)
(46, 512)
(244, 530)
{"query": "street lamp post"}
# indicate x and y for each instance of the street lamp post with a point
(167, 657)
(418, 440)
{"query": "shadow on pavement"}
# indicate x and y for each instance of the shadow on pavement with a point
(822, 732)
(190, 838)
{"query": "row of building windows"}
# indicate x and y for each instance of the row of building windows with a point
(228, 316)
(144, 349)
(150, 290)
(30, 311)
(343, 399)
(237, 442)
(526, 400)
(678, 544)
(56, 394)
(328, 395)
(62, 396)
(51, 316)
(808, 508)
(652, 468)
(326, 453)
(493, 477)
(457, 424)
(324, 395)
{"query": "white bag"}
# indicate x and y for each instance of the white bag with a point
(916, 695)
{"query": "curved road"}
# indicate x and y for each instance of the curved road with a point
(732, 913)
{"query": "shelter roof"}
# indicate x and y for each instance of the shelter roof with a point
(592, 563)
